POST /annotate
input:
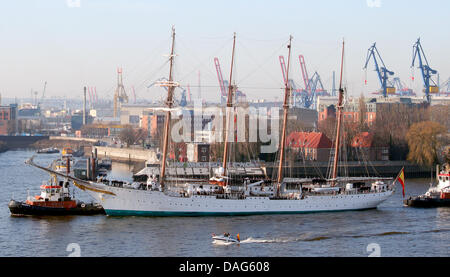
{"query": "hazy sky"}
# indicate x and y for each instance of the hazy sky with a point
(70, 46)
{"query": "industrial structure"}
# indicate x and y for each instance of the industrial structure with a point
(120, 96)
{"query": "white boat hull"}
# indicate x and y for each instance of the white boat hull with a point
(154, 203)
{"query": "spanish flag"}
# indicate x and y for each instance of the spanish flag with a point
(401, 179)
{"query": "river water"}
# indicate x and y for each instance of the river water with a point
(390, 230)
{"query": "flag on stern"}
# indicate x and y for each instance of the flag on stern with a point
(401, 179)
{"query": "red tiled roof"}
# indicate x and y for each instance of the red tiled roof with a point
(308, 140)
(363, 139)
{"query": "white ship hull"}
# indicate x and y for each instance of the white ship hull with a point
(155, 203)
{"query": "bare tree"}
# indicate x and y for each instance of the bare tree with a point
(127, 135)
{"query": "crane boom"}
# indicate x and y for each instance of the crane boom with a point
(223, 89)
(304, 71)
(283, 68)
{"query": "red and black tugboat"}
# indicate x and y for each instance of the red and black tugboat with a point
(436, 196)
(55, 199)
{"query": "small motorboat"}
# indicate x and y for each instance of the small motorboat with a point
(226, 238)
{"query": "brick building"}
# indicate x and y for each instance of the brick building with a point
(311, 146)
(8, 119)
(364, 147)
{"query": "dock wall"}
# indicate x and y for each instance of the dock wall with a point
(17, 142)
(127, 154)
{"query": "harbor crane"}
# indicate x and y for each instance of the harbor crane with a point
(298, 99)
(401, 88)
(430, 86)
(315, 85)
(120, 96)
(445, 87)
(38, 102)
(380, 68)
(306, 97)
(223, 84)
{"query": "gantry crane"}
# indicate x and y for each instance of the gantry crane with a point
(430, 86)
(382, 71)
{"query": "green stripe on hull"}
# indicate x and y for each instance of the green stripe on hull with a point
(196, 214)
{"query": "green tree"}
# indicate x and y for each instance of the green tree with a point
(424, 141)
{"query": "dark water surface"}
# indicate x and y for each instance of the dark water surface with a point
(398, 230)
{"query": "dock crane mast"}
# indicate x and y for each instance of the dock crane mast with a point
(383, 72)
(429, 85)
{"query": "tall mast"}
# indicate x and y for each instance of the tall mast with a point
(228, 110)
(287, 92)
(169, 102)
(340, 107)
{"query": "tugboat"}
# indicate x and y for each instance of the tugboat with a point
(55, 199)
(67, 151)
(436, 196)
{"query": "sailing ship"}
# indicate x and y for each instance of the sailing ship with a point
(221, 196)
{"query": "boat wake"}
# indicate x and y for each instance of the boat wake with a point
(284, 240)
(309, 238)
